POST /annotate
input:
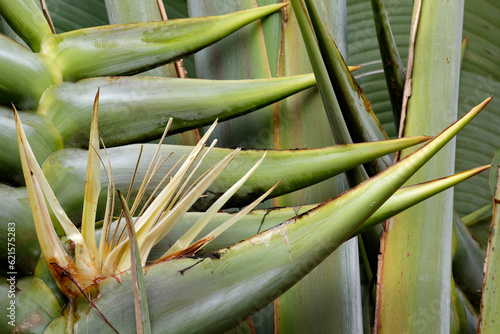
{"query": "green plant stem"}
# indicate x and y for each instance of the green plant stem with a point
(418, 283)
(27, 20)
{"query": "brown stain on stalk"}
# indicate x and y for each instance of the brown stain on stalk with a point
(377, 326)
(489, 250)
(409, 70)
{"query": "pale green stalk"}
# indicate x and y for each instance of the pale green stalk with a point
(489, 321)
(27, 20)
(418, 283)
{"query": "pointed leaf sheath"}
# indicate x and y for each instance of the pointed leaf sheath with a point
(25, 75)
(297, 169)
(258, 269)
(132, 48)
(261, 220)
(406, 197)
(92, 188)
(27, 20)
(137, 108)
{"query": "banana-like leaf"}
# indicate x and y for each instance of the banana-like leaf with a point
(68, 15)
(464, 318)
(297, 169)
(467, 261)
(137, 108)
(266, 265)
(41, 132)
(25, 75)
(106, 50)
(124, 11)
(472, 148)
(27, 20)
